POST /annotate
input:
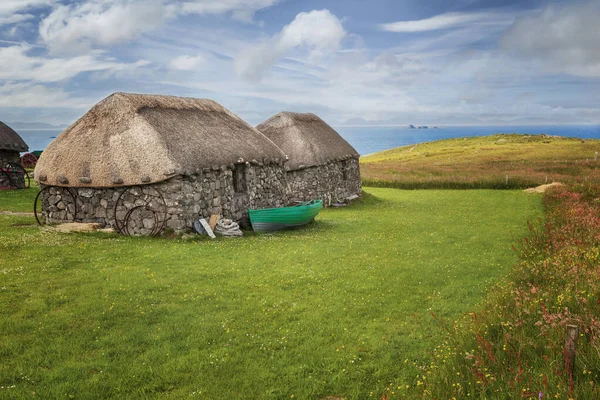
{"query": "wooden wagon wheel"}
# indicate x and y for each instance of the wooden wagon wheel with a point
(28, 160)
(151, 200)
(37, 197)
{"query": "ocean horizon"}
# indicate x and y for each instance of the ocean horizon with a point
(372, 139)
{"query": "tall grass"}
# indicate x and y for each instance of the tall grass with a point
(513, 346)
(457, 183)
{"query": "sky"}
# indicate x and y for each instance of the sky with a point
(478, 62)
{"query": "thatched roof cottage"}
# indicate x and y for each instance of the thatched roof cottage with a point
(322, 165)
(181, 158)
(11, 144)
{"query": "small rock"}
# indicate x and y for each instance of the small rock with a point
(86, 192)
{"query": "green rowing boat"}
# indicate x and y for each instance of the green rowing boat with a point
(273, 219)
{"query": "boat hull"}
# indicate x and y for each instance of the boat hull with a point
(274, 219)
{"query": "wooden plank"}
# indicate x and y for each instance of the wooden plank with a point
(207, 228)
(570, 350)
(213, 221)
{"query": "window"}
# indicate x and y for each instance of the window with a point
(239, 178)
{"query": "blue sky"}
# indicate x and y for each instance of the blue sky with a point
(397, 62)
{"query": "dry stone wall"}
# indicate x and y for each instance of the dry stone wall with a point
(9, 156)
(10, 177)
(182, 198)
(332, 182)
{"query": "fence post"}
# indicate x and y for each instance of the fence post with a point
(570, 349)
(506, 180)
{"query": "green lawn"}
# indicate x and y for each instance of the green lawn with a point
(18, 200)
(339, 308)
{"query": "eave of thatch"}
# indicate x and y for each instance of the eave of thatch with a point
(133, 139)
(10, 140)
(306, 139)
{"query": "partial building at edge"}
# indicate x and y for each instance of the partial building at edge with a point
(11, 145)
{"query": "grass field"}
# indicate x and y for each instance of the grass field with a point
(493, 162)
(339, 308)
(512, 345)
(18, 200)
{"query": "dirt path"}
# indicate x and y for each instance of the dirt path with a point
(21, 214)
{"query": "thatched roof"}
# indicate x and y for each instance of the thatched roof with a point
(10, 140)
(306, 139)
(133, 139)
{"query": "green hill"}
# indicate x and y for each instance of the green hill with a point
(495, 162)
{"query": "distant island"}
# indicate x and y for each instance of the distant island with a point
(419, 127)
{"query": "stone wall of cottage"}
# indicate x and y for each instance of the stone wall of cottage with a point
(211, 191)
(9, 177)
(332, 182)
(10, 156)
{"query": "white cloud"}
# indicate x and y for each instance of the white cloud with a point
(565, 39)
(12, 32)
(242, 10)
(77, 27)
(9, 7)
(13, 94)
(80, 26)
(443, 21)
(384, 69)
(10, 10)
(14, 19)
(186, 63)
(43, 69)
(320, 32)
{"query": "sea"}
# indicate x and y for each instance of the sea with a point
(371, 139)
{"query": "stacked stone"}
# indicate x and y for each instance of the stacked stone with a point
(10, 157)
(332, 182)
(58, 205)
(186, 198)
(266, 187)
(11, 177)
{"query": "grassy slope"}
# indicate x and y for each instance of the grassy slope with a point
(332, 309)
(485, 161)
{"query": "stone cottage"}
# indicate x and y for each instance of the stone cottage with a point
(12, 176)
(141, 163)
(322, 165)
